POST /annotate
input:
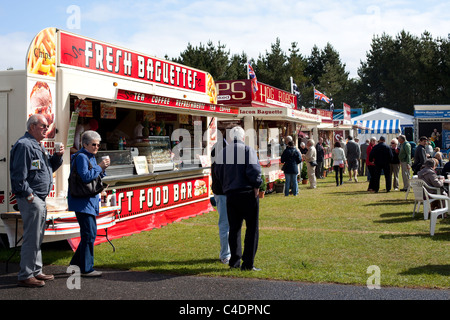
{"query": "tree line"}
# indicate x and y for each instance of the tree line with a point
(397, 73)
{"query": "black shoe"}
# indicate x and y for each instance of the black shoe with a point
(403, 189)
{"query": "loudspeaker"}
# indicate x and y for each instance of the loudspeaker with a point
(409, 133)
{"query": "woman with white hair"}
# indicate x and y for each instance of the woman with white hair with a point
(87, 208)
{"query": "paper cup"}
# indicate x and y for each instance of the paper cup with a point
(57, 146)
(105, 157)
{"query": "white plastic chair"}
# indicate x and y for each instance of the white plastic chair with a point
(417, 185)
(409, 188)
(436, 212)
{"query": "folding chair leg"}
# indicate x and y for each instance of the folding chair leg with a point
(426, 210)
(433, 220)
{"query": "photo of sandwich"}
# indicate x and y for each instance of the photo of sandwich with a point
(200, 188)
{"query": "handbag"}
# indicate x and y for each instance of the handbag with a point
(341, 165)
(79, 189)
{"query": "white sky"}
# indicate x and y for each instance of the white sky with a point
(158, 27)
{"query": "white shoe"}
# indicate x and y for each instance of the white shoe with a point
(225, 260)
(93, 273)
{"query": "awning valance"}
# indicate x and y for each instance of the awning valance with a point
(379, 126)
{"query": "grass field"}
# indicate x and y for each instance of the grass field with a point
(330, 234)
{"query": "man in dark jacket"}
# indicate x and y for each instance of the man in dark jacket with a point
(320, 157)
(238, 170)
(291, 158)
(381, 155)
(420, 155)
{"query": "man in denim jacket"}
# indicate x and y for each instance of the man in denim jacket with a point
(31, 171)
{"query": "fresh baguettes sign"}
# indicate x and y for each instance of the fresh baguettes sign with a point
(97, 56)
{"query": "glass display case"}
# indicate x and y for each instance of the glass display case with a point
(121, 162)
(158, 153)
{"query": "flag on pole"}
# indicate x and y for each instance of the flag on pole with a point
(295, 89)
(252, 76)
(320, 96)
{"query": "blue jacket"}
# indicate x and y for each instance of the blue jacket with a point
(31, 168)
(89, 205)
(237, 168)
(291, 158)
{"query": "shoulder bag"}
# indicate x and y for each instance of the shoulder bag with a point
(79, 189)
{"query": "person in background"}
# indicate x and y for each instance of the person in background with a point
(221, 202)
(420, 155)
(369, 164)
(239, 172)
(352, 153)
(303, 151)
(310, 157)
(363, 167)
(435, 136)
(429, 148)
(320, 158)
(438, 155)
(31, 173)
(404, 157)
(428, 174)
(381, 156)
(290, 159)
(395, 164)
(339, 162)
(87, 208)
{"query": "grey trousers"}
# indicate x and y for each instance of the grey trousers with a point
(406, 175)
(33, 216)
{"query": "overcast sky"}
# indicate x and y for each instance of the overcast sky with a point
(157, 27)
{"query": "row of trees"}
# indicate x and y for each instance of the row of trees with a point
(398, 72)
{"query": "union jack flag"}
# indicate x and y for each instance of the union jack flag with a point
(320, 96)
(252, 76)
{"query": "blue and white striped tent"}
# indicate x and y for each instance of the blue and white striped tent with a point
(379, 126)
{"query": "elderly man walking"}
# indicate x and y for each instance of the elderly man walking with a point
(381, 155)
(238, 170)
(405, 161)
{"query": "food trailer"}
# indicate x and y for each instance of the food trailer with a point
(157, 120)
(427, 118)
(268, 116)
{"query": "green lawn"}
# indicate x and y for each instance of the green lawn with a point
(330, 234)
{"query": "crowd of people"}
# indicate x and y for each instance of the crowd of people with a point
(397, 160)
(235, 184)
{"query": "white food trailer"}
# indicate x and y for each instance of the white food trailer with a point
(142, 107)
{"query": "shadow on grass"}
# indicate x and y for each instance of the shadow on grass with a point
(443, 270)
(391, 202)
(397, 217)
(443, 234)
